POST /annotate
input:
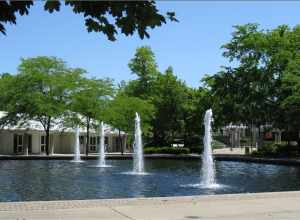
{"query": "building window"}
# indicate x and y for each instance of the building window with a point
(106, 144)
(81, 139)
(93, 144)
(19, 143)
(43, 143)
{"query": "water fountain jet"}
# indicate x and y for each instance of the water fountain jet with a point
(138, 157)
(208, 168)
(101, 160)
(77, 158)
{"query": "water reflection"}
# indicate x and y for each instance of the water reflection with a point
(57, 180)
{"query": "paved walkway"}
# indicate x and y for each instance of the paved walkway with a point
(232, 151)
(264, 206)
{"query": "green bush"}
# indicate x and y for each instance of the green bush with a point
(223, 139)
(217, 144)
(199, 149)
(287, 150)
(166, 150)
(276, 150)
(196, 150)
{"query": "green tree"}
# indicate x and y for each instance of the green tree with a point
(165, 92)
(121, 113)
(248, 87)
(144, 66)
(5, 83)
(39, 91)
(291, 92)
(106, 17)
(88, 100)
(196, 103)
(253, 90)
(169, 96)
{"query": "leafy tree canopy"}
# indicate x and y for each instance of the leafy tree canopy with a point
(144, 66)
(88, 101)
(40, 91)
(174, 103)
(121, 113)
(291, 89)
(106, 17)
(252, 90)
(169, 97)
(90, 97)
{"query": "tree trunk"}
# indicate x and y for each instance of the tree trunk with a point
(48, 135)
(87, 136)
(260, 138)
(172, 137)
(185, 135)
(289, 139)
(251, 136)
(120, 142)
(185, 139)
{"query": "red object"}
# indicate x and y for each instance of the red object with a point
(268, 135)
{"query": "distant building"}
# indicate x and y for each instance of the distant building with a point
(30, 138)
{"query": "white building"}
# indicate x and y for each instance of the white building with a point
(30, 138)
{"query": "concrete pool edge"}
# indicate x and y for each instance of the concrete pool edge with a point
(93, 203)
(263, 206)
(219, 157)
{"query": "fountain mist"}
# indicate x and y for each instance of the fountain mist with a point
(77, 146)
(138, 158)
(208, 169)
(102, 162)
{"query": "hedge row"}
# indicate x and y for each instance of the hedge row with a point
(166, 150)
(277, 150)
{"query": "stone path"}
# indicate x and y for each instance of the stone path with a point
(265, 206)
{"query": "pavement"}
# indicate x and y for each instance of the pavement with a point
(254, 206)
(231, 151)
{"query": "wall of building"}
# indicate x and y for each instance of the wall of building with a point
(36, 143)
(60, 143)
(6, 142)
(64, 143)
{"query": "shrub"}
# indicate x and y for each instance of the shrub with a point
(244, 140)
(166, 150)
(276, 150)
(287, 150)
(199, 149)
(196, 150)
(269, 149)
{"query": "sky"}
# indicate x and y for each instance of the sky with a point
(191, 46)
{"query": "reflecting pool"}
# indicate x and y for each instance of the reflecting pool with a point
(34, 180)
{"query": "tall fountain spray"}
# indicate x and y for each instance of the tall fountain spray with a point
(102, 162)
(208, 169)
(138, 157)
(77, 146)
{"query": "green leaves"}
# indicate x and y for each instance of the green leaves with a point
(121, 113)
(144, 66)
(290, 99)
(177, 109)
(52, 6)
(91, 96)
(128, 17)
(45, 87)
(41, 88)
(263, 86)
(9, 9)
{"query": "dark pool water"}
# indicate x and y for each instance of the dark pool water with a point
(62, 180)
